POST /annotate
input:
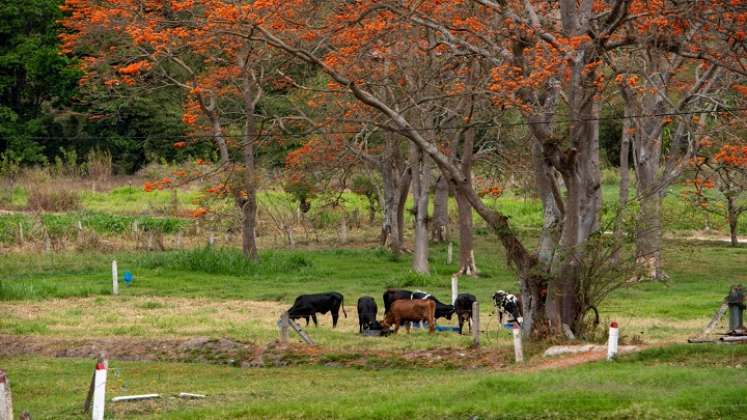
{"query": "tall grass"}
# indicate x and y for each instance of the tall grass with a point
(227, 261)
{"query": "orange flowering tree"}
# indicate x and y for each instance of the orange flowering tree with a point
(719, 172)
(187, 44)
(679, 63)
(548, 61)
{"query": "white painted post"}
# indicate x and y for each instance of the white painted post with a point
(99, 390)
(454, 288)
(614, 337)
(115, 278)
(449, 253)
(518, 352)
(20, 233)
(6, 402)
(476, 324)
(96, 397)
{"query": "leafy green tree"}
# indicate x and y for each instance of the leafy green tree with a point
(35, 78)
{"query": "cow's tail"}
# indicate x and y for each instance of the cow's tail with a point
(342, 305)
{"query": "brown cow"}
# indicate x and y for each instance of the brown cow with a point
(411, 311)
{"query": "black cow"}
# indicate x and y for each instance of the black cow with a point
(463, 306)
(506, 303)
(307, 306)
(366, 313)
(442, 310)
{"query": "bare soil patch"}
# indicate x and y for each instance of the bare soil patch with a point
(246, 354)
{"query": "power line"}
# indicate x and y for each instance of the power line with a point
(417, 129)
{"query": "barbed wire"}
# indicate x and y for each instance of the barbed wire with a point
(396, 130)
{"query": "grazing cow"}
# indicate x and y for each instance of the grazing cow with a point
(307, 306)
(506, 303)
(391, 295)
(366, 313)
(463, 305)
(407, 311)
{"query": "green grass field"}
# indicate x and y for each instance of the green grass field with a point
(683, 382)
(178, 295)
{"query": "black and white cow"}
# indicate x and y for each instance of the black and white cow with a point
(506, 303)
(307, 306)
(442, 310)
(366, 313)
(463, 306)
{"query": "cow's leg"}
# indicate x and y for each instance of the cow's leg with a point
(461, 322)
(313, 317)
(360, 326)
(407, 326)
(335, 315)
(396, 326)
(307, 320)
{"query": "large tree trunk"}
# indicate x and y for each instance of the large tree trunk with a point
(440, 221)
(581, 174)
(247, 199)
(467, 264)
(551, 203)
(420, 188)
(624, 171)
(732, 215)
(647, 148)
(396, 183)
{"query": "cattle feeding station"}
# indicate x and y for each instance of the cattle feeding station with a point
(734, 304)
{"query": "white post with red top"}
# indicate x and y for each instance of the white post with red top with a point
(6, 402)
(518, 351)
(99, 390)
(614, 337)
(96, 398)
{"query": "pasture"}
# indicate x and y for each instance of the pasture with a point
(60, 304)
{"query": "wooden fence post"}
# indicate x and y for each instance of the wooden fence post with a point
(449, 253)
(283, 323)
(476, 324)
(115, 278)
(211, 240)
(96, 398)
(6, 400)
(21, 238)
(518, 351)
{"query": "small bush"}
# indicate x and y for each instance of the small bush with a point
(44, 198)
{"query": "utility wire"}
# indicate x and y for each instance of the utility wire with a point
(422, 129)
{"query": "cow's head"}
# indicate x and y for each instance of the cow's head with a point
(299, 311)
(388, 321)
(449, 311)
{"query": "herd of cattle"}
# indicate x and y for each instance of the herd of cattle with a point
(401, 307)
